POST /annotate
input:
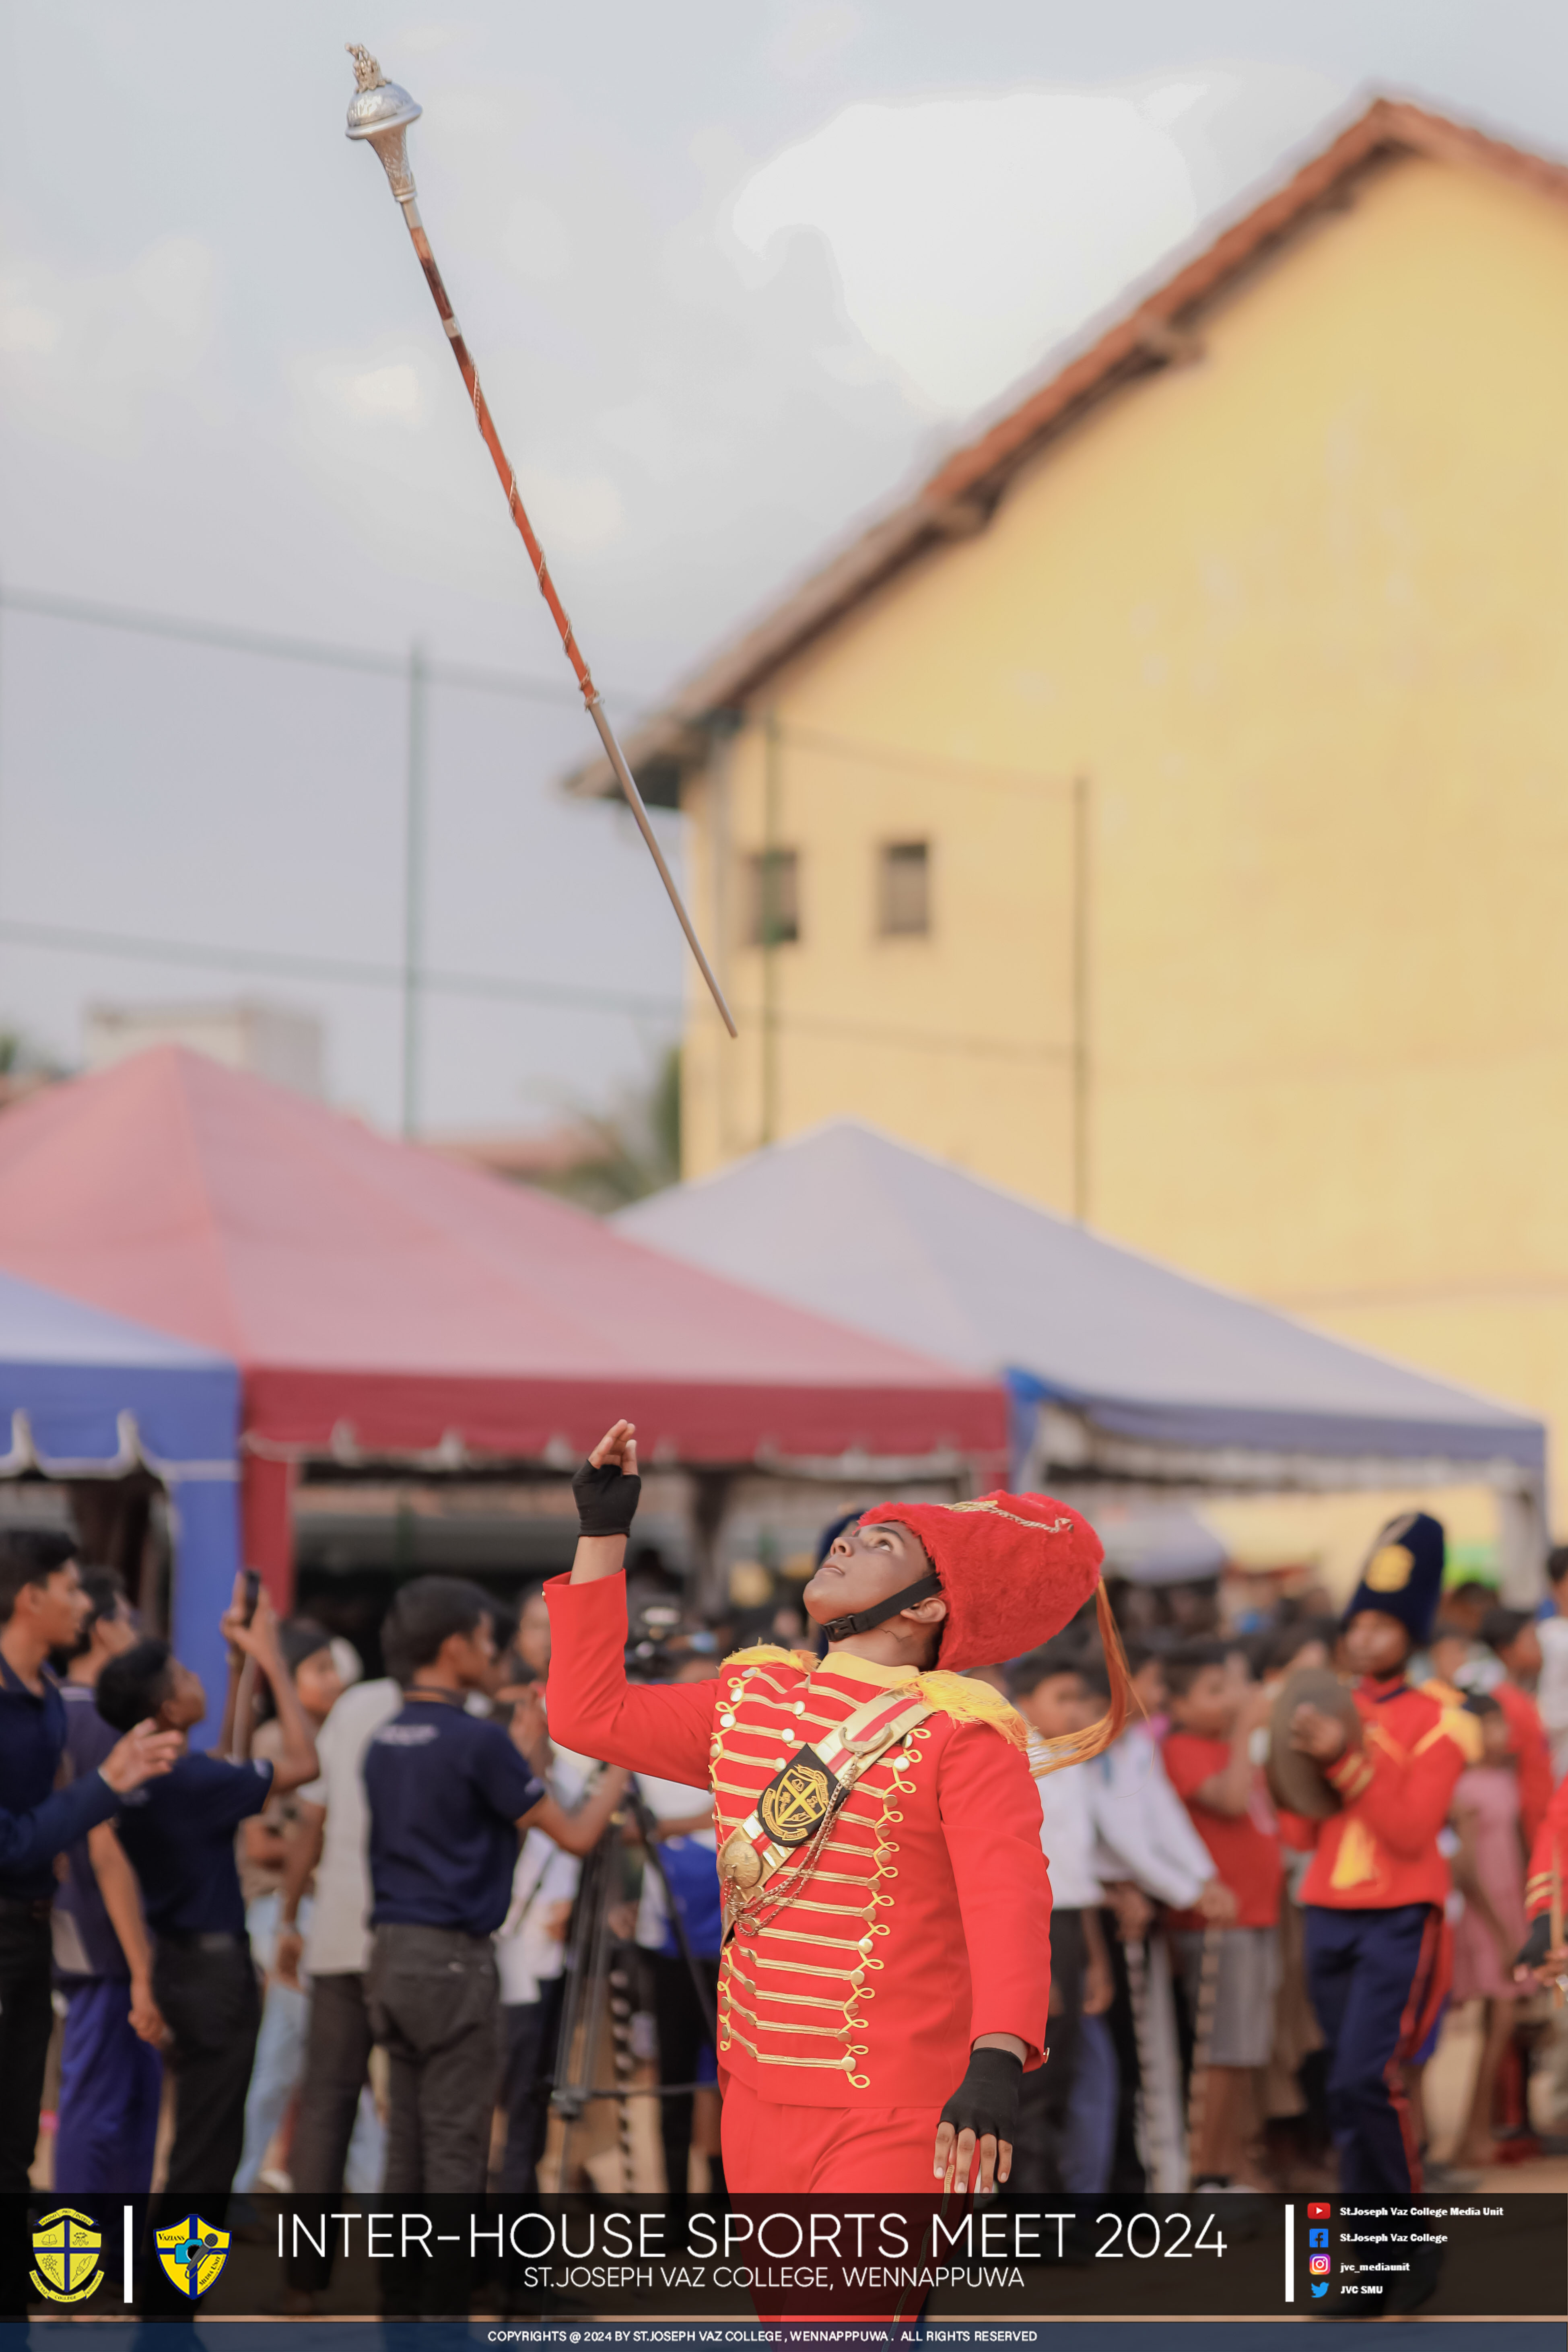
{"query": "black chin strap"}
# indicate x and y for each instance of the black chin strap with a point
(864, 1618)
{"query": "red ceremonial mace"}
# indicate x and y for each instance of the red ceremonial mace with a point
(381, 113)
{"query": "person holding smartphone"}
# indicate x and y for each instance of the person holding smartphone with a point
(42, 1608)
(181, 1844)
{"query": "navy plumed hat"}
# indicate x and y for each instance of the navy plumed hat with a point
(1404, 1574)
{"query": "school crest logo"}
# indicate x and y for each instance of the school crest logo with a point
(193, 2252)
(794, 1803)
(66, 2247)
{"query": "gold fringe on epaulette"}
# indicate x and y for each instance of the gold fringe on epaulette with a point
(969, 1701)
(761, 1652)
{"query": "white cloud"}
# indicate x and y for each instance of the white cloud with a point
(173, 282)
(971, 233)
(811, 35)
(535, 242)
(1171, 99)
(86, 351)
(391, 391)
(24, 325)
(423, 40)
(579, 512)
(388, 391)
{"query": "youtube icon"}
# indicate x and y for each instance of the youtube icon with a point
(1317, 2214)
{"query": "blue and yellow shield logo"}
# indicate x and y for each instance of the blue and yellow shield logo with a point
(66, 2247)
(193, 2252)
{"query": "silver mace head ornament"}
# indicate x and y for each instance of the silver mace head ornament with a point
(381, 111)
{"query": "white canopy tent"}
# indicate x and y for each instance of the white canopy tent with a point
(1119, 1368)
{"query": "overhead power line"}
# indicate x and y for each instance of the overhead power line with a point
(352, 971)
(220, 636)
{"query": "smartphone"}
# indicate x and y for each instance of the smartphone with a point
(252, 1595)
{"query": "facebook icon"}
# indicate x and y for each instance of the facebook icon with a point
(1317, 2237)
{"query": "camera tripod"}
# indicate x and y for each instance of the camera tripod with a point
(598, 1980)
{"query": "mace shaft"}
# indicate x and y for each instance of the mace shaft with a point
(618, 762)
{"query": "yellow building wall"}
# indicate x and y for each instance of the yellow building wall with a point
(1298, 613)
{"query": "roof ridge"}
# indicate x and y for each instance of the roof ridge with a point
(1139, 332)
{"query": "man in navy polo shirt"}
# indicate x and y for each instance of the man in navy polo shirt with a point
(180, 1840)
(42, 1606)
(111, 2077)
(448, 1795)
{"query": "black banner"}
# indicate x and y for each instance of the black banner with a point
(659, 2270)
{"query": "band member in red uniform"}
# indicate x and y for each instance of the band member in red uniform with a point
(886, 1974)
(1544, 1954)
(1377, 1947)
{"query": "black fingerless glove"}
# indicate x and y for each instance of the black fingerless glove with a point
(987, 2098)
(606, 1499)
(1533, 1950)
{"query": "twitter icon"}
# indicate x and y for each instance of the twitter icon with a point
(1320, 2286)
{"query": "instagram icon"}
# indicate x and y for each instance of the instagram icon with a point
(1319, 2265)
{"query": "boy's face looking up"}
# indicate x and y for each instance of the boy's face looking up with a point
(1208, 1708)
(184, 1702)
(866, 1566)
(1057, 1706)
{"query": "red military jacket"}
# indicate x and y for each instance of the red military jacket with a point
(1531, 1753)
(1382, 1850)
(1548, 1853)
(926, 1922)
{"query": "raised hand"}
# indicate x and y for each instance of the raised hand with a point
(607, 1485)
(258, 1639)
(1322, 1737)
(144, 1754)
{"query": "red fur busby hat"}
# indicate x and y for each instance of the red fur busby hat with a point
(1013, 1568)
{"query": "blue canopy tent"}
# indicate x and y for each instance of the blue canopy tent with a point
(87, 1395)
(1118, 1366)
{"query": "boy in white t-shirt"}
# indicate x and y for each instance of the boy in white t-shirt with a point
(1050, 1692)
(530, 1960)
(330, 1840)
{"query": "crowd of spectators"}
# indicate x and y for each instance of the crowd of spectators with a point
(395, 1865)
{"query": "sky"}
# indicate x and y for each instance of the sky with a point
(733, 278)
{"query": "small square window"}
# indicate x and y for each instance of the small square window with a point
(774, 897)
(903, 908)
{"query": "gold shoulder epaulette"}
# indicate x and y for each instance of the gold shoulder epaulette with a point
(1457, 1724)
(969, 1701)
(771, 1652)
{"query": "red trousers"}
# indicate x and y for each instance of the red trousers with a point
(777, 2151)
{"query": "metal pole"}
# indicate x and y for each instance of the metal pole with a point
(768, 914)
(413, 887)
(381, 112)
(1203, 2041)
(647, 1830)
(1080, 1062)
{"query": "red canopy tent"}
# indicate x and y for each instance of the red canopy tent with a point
(382, 1302)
